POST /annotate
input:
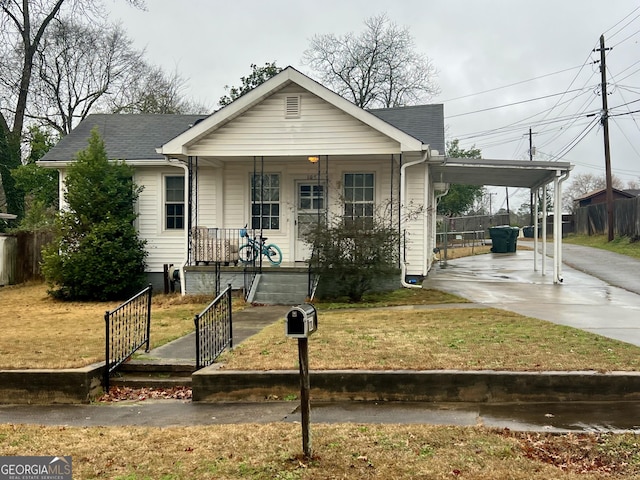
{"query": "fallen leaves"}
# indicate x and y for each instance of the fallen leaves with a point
(119, 394)
(578, 453)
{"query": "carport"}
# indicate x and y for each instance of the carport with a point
(534, 175)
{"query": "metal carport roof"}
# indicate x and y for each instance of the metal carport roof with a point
(512, 173)
(501, 173)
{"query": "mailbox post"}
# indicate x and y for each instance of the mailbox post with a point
(301, 322)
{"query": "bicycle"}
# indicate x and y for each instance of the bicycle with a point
(251, 251)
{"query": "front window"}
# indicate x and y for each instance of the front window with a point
(174, 203)
(358, 197)
(265, 201)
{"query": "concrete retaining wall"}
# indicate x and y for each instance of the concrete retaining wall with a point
(211, 385)
(75, 385)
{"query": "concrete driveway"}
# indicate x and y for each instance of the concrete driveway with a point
(508, 281)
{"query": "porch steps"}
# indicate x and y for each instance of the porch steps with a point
(280, 288)
(140, 374)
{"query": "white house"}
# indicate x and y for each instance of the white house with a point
(277, 160)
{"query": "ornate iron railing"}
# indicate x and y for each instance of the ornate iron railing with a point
(127, 328)
(214, 329)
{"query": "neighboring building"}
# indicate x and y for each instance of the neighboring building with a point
(600, 196)
(279, 159)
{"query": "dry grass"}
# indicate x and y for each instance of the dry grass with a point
(466, 339)
(268, 451)
(46, 333)
(41, 332)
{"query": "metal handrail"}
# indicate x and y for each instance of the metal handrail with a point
(127, 328)
(214, 329)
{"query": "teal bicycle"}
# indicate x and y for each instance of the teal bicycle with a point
(250, 252)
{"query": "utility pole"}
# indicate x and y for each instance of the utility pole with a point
(506, 189)
(605, 130)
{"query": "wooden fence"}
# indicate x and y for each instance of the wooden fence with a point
(592, 220)
(29, 254)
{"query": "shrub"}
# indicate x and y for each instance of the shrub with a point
(352, 258)
(97, 254)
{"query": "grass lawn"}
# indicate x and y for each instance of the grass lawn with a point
(273, 451)
(425, 339)
(622, 245)
(41, 332)
(47, 333)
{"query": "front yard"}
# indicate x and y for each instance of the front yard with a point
(41, 332)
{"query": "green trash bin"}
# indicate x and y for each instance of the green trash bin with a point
(504, 238)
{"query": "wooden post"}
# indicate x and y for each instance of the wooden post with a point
(305, 406)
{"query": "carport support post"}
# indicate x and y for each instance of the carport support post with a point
(534, 196)
(305, 406)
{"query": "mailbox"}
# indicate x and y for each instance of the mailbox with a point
(302, 321)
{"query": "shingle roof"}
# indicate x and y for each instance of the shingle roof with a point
(424, 122)
(126, 137)
(136, 136)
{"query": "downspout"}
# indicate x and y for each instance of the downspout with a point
(557, 227)
(403, 193)
(183, 282)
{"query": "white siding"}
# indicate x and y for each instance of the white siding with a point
(207, 193)
(321, 129)
(163, 246)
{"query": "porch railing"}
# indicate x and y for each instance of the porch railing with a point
(215, 245)
(127, 329)
(214, 329)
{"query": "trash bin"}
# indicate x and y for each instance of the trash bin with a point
(504, 238)
(527, 232)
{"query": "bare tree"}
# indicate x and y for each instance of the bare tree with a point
(76, 65)
(377, 68)
(150, 89)
(23, 24)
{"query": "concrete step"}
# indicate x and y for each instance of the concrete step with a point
(270, 298)
(149, 381)
(145, 367)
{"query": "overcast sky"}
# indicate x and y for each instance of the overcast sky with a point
(476, 45)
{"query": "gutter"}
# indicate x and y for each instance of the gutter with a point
(403, 193)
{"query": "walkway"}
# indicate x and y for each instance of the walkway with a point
(508, 281)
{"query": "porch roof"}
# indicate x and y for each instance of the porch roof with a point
(502, 173)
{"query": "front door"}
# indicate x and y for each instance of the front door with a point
(310, 209)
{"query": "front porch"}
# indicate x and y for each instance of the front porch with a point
(228, 256)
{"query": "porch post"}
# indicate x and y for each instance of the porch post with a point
(544, 229)
(535, 229)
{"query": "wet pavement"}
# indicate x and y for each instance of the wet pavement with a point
(545, 417)
(508, 281)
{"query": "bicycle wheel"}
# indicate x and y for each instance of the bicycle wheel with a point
(247, 253)
(273, 253)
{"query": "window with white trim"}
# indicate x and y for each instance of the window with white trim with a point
(174, 202)
(265, 201)
(359, 189)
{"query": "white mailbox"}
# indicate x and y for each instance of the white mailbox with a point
(302, 321)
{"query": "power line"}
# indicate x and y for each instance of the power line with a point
(512, 84)
(620, 21)
(511, 104)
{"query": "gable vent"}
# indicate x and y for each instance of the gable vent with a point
(292, 106)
